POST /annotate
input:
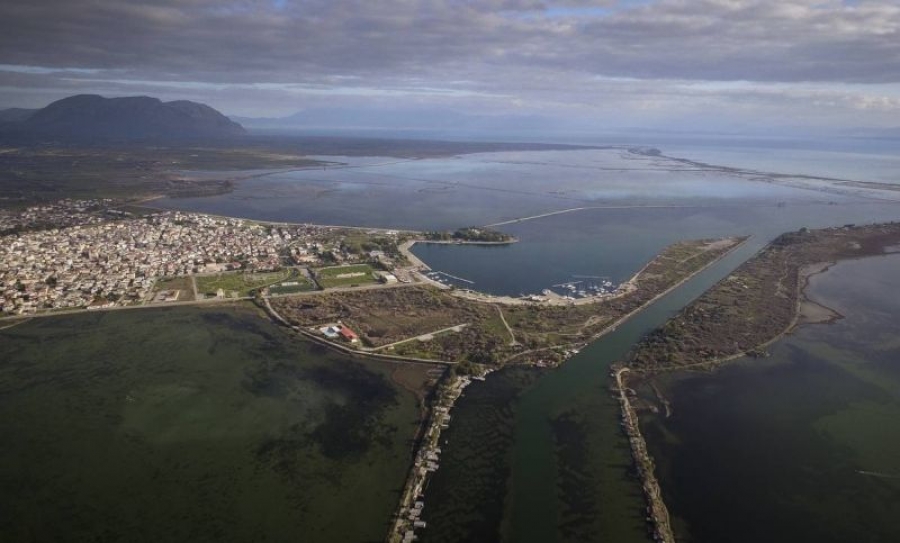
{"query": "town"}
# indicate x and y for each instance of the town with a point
(76, 254)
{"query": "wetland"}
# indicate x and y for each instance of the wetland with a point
(803, 445)
(194, 424)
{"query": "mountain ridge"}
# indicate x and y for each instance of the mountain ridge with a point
(93, 118)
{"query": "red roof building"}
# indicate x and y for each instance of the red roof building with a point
(349, 334)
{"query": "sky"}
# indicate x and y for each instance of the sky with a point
(718, 65)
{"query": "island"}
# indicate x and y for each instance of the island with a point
(472, 234)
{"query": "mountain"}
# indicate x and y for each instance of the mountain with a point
(92, 118)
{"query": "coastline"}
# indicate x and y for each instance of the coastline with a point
(411, 503)
(426, 460)
(805, 311)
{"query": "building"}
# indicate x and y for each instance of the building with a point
(349, 335)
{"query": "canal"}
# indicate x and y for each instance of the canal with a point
(537, 455)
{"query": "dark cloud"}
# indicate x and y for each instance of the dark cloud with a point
(523, 50)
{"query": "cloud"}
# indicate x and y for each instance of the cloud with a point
(543, 54)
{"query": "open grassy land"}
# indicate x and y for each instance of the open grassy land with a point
(240, 283)
(535, 332)
(384, 316)
(188, 424)
(42, 173)
(183, 284)
(345, 276)
(758, 302)
(296, 282)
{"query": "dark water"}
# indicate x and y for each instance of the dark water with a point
(542, 458)
(616, 243)
(194, 425)
(557, 457)
(804, 446)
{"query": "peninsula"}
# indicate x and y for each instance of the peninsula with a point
(760, 302)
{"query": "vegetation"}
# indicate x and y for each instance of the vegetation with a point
(239, 284)
(33, 173)
(758, 302)
(49, 173)
(293, 284)
(183, 284)
(345, 276)
(538, 331)
(472, 235)
(384, 316)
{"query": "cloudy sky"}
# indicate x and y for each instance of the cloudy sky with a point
(700, 64)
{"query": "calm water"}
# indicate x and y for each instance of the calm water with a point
(194, 425)
(485, 188)
(611, 242)
(804, 446)
(539, 457)
(616, 243)
(542, 460)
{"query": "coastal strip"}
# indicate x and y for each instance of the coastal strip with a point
(757, 304)
(741, 315)
(658, 514)
(427, 460)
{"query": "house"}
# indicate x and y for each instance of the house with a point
(349, 335)
(331, 332)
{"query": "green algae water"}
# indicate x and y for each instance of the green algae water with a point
(803, 446)
(539, 456)
(194, 425)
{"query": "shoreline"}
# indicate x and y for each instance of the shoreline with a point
(659, 512)
(621, 320)
(426, 459)
(630, 418)
(403, 526)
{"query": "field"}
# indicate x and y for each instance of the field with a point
(538, 331)
(41, 172)
(345, 276)
(189, 424)
(303, 285)
(183, 284)
(385, 316)
(238, 284)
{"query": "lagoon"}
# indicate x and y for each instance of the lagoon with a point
(802, 446)
(194, 424)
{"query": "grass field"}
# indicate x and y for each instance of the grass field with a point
(238, 282)
(181, 283)
(303, 285)
(345, 276)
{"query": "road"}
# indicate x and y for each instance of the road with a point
(423, 337)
